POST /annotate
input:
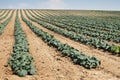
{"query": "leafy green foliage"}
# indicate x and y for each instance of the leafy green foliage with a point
(101, 44)
(116, 49)
(105, 28)
(8, 11)
(2, 26)
(21, 62)
(76, 56)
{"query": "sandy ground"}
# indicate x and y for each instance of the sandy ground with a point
(49, 62)
(1, 21)
(6, 47)
(86, 49)
(46, 13)
(1, 13)
(103, 56)
(81, 13)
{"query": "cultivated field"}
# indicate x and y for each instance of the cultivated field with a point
(59, 45)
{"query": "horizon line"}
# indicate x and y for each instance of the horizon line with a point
(66, 9)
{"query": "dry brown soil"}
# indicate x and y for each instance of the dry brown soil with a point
(50, 64)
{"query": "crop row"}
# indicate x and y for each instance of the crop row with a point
(83, 29)
(76, 56)
(2, 26)
(3, 12)
(21, 61)
(87, 41)
(101, 23)
(107, 23)
(3, 17)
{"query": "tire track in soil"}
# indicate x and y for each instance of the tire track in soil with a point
(6, 47)
(109, 66)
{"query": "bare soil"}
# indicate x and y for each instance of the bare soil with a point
(109, 64)
(49, 62)
(1, 21)
(6, 47)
